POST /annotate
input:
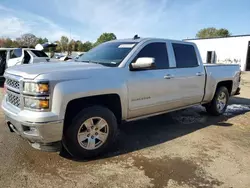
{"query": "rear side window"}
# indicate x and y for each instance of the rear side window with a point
(157, 50)
(185, 55)
(39, 53)
(15, 53)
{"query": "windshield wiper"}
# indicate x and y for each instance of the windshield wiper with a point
(111, 64)
(94, 62)
(88, 61)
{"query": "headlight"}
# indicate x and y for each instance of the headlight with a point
(36, 103)
(36, 88)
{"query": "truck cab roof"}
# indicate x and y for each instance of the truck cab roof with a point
(138, 40)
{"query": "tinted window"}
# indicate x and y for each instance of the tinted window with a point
(26, 58)
(39, 53)
(158, 51)
(109, 54)
(185, 55)
(16, 53)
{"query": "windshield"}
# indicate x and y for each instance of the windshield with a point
(108, 54)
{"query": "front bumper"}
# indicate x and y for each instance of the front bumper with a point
(38, 133)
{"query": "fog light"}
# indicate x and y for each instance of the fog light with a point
(30, 131)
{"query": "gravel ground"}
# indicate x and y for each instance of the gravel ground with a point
(182, 149)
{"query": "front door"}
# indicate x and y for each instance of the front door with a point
(150, 91)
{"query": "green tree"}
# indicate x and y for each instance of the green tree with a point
(104, 38)
(78, 45)
(71, 47)
(15, 44)
(212, 32)
(42, 40)
(86, 46)
(2, 42)
(8, 43)
(5, 42)
(64, 43)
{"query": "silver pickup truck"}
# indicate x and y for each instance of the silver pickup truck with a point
(78, 105)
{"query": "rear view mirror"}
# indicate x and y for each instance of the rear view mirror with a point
(143, 63)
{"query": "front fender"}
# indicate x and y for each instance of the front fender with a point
(66, 91)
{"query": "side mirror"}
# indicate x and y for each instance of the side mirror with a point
(143, 63)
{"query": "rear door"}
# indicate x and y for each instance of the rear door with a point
(188, 73)
(16, 57)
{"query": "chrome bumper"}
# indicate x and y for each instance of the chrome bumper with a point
(44, 133)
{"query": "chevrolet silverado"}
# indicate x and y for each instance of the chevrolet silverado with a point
(79, 105)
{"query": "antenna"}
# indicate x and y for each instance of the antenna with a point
(136, 37)
(70, 34)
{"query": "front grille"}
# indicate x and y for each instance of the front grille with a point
(12, 83)
(13, 99)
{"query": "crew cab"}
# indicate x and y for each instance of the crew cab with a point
(79, 105)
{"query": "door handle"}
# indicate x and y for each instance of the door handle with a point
(168, 76)
(199, 74)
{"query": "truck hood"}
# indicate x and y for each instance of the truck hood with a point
(33, 70)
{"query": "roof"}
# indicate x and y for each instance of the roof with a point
(246, 35)
(18, 48)
(144, 39)
(128, 40)
(7, 48)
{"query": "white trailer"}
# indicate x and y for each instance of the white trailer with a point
(226, 50)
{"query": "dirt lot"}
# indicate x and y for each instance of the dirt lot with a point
(187, 148)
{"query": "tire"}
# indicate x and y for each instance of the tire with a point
(213, 107)
(92, 142)
(2, 64)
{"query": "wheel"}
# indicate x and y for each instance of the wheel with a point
(219, 103)
(92, 132)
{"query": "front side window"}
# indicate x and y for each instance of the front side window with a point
(185, 55)
(158, 51)
(108, 54)
(16, 53)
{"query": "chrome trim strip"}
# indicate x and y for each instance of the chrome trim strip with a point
(12, 88)
(34, 94)
(41, 123)
(36, 97)
(159, 113)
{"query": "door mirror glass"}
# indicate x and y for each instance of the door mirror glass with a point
(143, 63)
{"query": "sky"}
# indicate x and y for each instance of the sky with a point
(86, 20)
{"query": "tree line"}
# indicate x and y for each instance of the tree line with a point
(29, 40)
(68, 45)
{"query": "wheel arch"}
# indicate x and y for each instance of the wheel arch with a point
(226, 83)
(110, 101)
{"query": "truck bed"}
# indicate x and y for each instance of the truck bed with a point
(218, 73)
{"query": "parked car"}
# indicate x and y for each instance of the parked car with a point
(65, 58)
(79, 105)
(78, 56)
(58, 56)
(16, 56)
